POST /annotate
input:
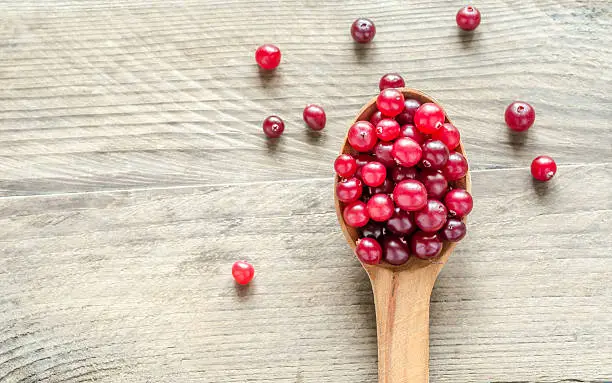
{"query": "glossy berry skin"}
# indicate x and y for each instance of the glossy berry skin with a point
(373, 173)
(345, 165)
(372, 230)
(390, 102)
(448, 134)
(362, 136)
(355, 214)
(273, 126)
(407, 116)
(429, 118)
(383, 151)
(432, 217)
(435, 155)
(268, 56)
(410, 131)
(385, 188)
(453, 230)
(387, 129)
(380, 207)
(349, 190)
(363, 30)
(361, 160)
(543, 168)
(456, 167)
(314, 117)
(410, 195)
(435, 183)
(395, 251)
(243, 272)
(369, 251)
(376, 117)
(519, 116)
(425, 245)
(391, 80)
(458, 202)
(407, 152)
(468, 18)
(401, 222)
(400, 173)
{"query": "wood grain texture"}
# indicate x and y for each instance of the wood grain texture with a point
(133, 172)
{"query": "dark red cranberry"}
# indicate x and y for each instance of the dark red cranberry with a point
(395, 251)
(519, 116)
(387, 129)
(401, 173)
(435, 154)
(410, 131)
(468, 18)
(273, 126)
(380, 207)
(543, 168)
(425, 245)
(432, 217)
(391, 80)
(390, 102)
(373, 173)
(369, 251)
(361, 160)
(407, 116)
(363, 30)
(385, 188)
(314, 117)
(362, 136)
(449, 135)
(407, 152)
(456, 167)
(384, 153)
(458, 202)
(410, 195)
(243, 272)
(429, 118)
(373, 229)
(349, 190)
(453, 230)
(345, 165)
(376, 117)
(401, 223)
(355, 214)
(268, 56)
(435, 183)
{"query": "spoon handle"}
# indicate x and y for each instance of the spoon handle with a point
(402, 320)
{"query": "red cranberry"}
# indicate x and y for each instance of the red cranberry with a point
(543, 168)
(458, 202)
(456, 167)
(314, 117)
(387, 129)
(372, 229)
(243, 272)
(391, 80)
(401, 173)
(407, 152)
(376, 117)
(368, 251)
(345, 165)
(432, 217)
(468, 18)
(435, 154)
(349, 190)
(410, 195)
(384, 153)
(435, 183)
(273, 126)
(385, 188)
(401, 223)
(363, 30)
(410, 131)
(373, 173)
(519, 116)
(361, 160)
(268, 56)
(425, 245)
(407, 116)
(380, 207)
(453, 230)
(390, 102)
(362, 136)
(429, 118)
(449, 135)
(395, 251)
(356, 214)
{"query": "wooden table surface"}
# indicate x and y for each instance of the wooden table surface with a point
(134, 171)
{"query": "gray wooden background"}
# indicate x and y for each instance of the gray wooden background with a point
(133, 172)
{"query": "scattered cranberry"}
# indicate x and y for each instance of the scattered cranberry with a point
(349, 190)
(268, 56)
(407, 152)
(390, 102)
(380, 207)
(356, 214)
(401, 223)
(387, 129)
(519, 116)
(435, 154)
(411, 131)
(273, 126)
(543, 168)
(468, 18)
(407, 116)
(453, 230)
(458, 202)
(385, 188)
(362, 136)
(395, 251)
(456, 167)
(391, 80)
(314, 117)
(449, 135)
(363, 30)
(435, 183)
(429, 118)
(368, 251)
(345, 165)
(384, 153)
(372, 229)
(243, 272)
(410, 195)
(376, 117)
(401, 173)
(373, 173)
(425, 245)
(432, 217)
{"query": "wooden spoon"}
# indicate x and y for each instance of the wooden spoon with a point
(401, 293)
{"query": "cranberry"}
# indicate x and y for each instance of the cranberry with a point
(453, 230)
(356, 214)
(380, 207)
(432, 217)
(387, 129)
(385, 188)
(435, 154)
(273, 126)
(425, 245)
(268, 56)
(314, 117)
(391, 80)
(373, 229)
(543, 168)
(363, 30)
(449, 135)
(407, 152)
(362, 136)
(410, 195)
(384, 153)
(395, 251)
(361, 160)
(345, 165)
(407, 116)
(429, 118)
(368, 250)
(243, 272)
(468, 18)
(458, 202)
(390, 102)
(376, 117)
(349, 190)
(411, 131)
(435, 183)
(373, 173)
(401, 223)
(401, 173)
(519, 116)
(456, 167)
